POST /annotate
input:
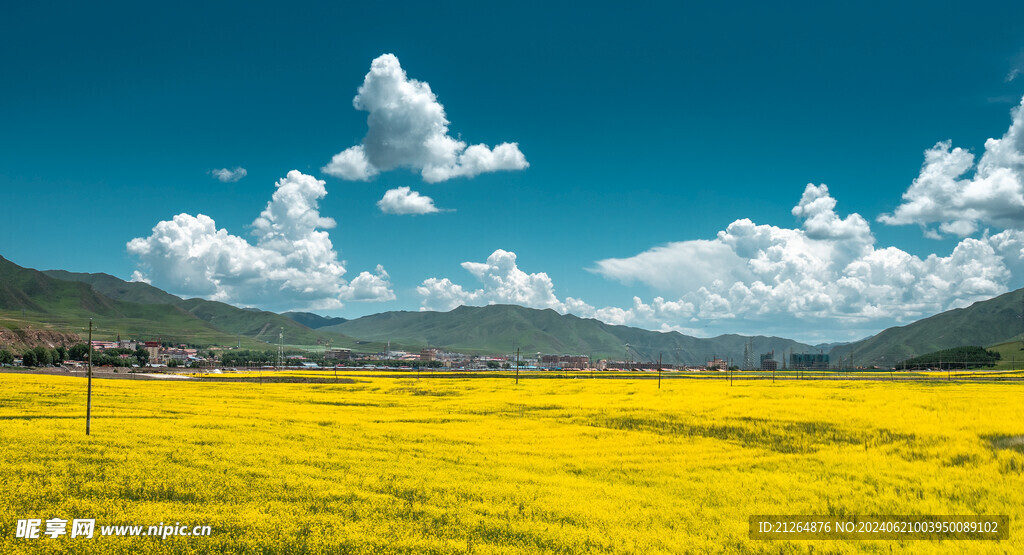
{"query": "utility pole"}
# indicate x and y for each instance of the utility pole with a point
(517, 365)
(88, 395)
(280, 349)
(659, 370)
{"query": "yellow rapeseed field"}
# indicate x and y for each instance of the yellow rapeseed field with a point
(481, 465)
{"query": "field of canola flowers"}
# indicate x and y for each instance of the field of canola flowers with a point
(483, 465)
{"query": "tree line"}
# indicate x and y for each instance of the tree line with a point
(42, 356)
(245, 357)
(960, 357)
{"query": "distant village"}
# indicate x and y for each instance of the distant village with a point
(162, 354)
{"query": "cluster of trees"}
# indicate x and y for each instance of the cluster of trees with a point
(246, 357)
(960, 357)
(111, 357)
(39, 356)
(493, 364)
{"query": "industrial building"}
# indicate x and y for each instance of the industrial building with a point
(808, 361)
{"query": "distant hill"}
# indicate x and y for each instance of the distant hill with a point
(32, 299)
(313, 321)
(983, 323)
(63, 302)
(499, 328)
(255, 323)
(252, 323)
(827, 347)
(115, 288)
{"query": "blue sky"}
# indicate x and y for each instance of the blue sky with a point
(643, 126)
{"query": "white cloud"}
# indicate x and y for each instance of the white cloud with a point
(827, 271)
(1016, 66)
(442, 295)
(375, 287)
(817, 209)
(503, 283)
(351, 164)
(993, 195)
(293, 263)
(403, 200)
(225, 175)
(825, 280)
(407, 128)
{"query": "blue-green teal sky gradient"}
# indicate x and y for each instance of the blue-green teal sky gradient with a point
(644, 124)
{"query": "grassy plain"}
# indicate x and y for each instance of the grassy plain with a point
(390, 464)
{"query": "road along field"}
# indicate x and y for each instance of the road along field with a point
(487, 466)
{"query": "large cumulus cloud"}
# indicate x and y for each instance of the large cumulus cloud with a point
(947, 194)
(826, 271)
(501, 281)
(292, 264)
(407, 128)
(823, 280)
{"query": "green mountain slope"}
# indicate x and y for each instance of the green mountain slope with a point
(235, 324)
(257, 324)
(499, 328)
(983, 323)
(118, 289)
(32, 299)
(313, 321)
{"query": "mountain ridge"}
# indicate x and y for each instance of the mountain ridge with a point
(500, 328)
(983, 323)
(60, 299)
(313, 321)
(253, 323)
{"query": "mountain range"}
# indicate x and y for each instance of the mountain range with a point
(64, 302)
(503, 328)
(313, 321)
(981, 324)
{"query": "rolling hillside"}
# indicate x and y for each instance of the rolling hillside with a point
(257, 324)
(235, 324)
(984, 323)
(110, 286)
(64, 301)
(313, 321)
(32, 299)
(499, 328)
